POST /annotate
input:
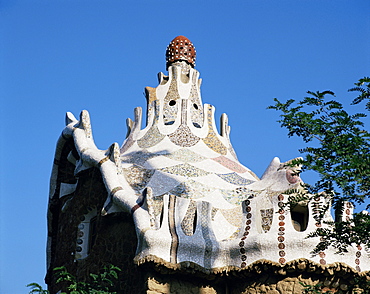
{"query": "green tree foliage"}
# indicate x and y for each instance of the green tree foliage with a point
(364, 92)
(102, 283)
(36, 288)
(339, 151)
(314, 289)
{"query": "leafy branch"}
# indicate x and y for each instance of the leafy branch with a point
(364, 92)
(101, 283)
(339, 151)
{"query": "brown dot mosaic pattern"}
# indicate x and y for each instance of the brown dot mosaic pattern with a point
(180, 48)
(281, 233)
(247, 227)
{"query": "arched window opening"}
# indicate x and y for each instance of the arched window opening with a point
(299, 215)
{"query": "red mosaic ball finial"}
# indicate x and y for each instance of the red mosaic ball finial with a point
(180, 49)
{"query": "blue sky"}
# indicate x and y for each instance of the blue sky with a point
(58, 56)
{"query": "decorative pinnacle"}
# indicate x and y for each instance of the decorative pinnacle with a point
(180, 49)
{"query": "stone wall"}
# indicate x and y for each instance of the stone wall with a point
(261, 277)
(266, 284)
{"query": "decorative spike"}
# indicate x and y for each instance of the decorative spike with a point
(223, 125)
(129, 124)
(150, 94)
(200, 82)
(138, 116)
(70, 118)
(85, 122)
(273, 167)
(162, 78)
(114, 153)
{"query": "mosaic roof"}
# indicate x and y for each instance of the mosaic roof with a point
(190, 197)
